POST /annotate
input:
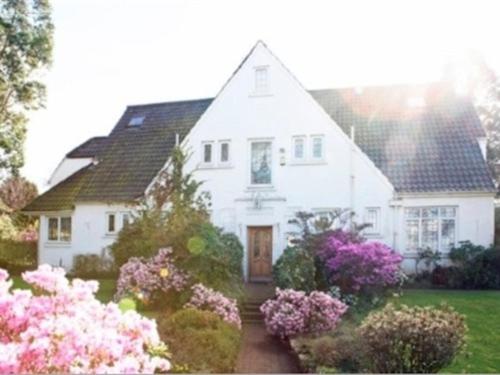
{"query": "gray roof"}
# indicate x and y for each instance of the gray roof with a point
(88, 149)
(430, 148)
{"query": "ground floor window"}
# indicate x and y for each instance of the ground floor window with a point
(116, 221)
(59, 229)
(430, 227)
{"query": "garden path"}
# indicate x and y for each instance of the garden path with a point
(261, 352)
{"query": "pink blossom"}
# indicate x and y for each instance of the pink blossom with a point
(64, 328)
(204, 298)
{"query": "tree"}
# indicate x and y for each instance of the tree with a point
(16, 192)
(26, 34)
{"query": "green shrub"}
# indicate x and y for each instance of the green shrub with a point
(201, 341)
(412, 339)
(337, 351)
(18, 256)
(93, 266)
(295, 269)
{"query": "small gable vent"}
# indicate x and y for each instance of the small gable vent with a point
(136, 121)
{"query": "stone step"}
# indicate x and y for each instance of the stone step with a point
(251, 315)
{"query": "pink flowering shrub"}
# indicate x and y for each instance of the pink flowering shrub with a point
(146, 278)
(204, 298)
(354, 265)
(62, 328)
(294, 312)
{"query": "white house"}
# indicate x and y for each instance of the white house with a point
(410, 160)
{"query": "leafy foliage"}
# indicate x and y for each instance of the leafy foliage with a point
(92, 266)
(17, 256)
(412, 339)
(201, 341)
(295, 269)
(26, 33)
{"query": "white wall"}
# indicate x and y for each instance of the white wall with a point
(89, 234)
(66, 168)
(239, 116)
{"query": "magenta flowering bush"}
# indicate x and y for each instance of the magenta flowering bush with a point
(204, 298)
(353, 264)
(144, 278)
(63, 328)
(294, 312)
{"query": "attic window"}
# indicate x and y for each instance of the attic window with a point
(261, 80)
(136, 121)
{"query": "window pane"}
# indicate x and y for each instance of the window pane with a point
(224, 152)
(111, 223)
(53, 228)
(430, 212)
(448, 212)
(207, 153)
(298, 149)
(65, 229)
(430, 234)
(412, 212)
(371, 218)
(125, 220)
(411, 235)
(447, 234)
(261, 79)
(261, 163)
(318, 148)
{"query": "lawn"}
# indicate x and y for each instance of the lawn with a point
(482, 309)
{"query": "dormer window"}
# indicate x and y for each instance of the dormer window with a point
(136, 121)
(261, 80)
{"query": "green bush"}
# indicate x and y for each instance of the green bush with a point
(18, 256)
(337, 351)
(201, 341)
(93, 266)
(295, 269)
(412, 339)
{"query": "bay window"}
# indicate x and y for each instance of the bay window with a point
(430, 227)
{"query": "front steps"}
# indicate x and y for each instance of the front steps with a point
(251, 312)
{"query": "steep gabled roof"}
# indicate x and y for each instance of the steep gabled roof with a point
(88, 149)
(421, 148)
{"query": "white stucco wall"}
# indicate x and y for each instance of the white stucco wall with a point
(89, 234)
(66, 168)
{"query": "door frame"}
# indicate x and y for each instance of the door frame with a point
(249, 258)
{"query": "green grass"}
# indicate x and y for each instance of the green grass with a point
(482, 311)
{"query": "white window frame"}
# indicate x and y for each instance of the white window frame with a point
(115, 223)
(249, 174)
(322, 139)
(122, 217)
(302, 138)
(118, 221)
(375, 229)
(420, 227)
(259, 88)
(212, 154)
(219, 154)
(59, 222)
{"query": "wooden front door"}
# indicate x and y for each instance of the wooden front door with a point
(260, 253)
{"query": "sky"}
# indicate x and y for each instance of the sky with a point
(112, 53)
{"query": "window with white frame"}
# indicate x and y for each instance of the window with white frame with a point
(224, 152)
(317, 147)
(261, 80)
(260, 167)
(372, 218)
(111, 223)
(125, 219)
(430, 227)
(116, 221)
(207, 153)
(299, 151)
(59, 229)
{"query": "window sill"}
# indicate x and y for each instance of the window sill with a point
(220, 166)
(307, 163)
(252, 188)
(260, 95)
(57, 244)
(372, 236)
(110, 235)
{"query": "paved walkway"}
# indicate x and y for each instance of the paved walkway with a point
(261, 352)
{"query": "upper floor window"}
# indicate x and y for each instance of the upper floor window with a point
(261, 163)
(430, 227)
(111, 225)
(372, 218)
(224, 152)
(317, 147)
(207, 153)
(299, 148)
(59, 229)
(261, 80)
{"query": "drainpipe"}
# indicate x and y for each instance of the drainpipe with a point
(351, 178)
